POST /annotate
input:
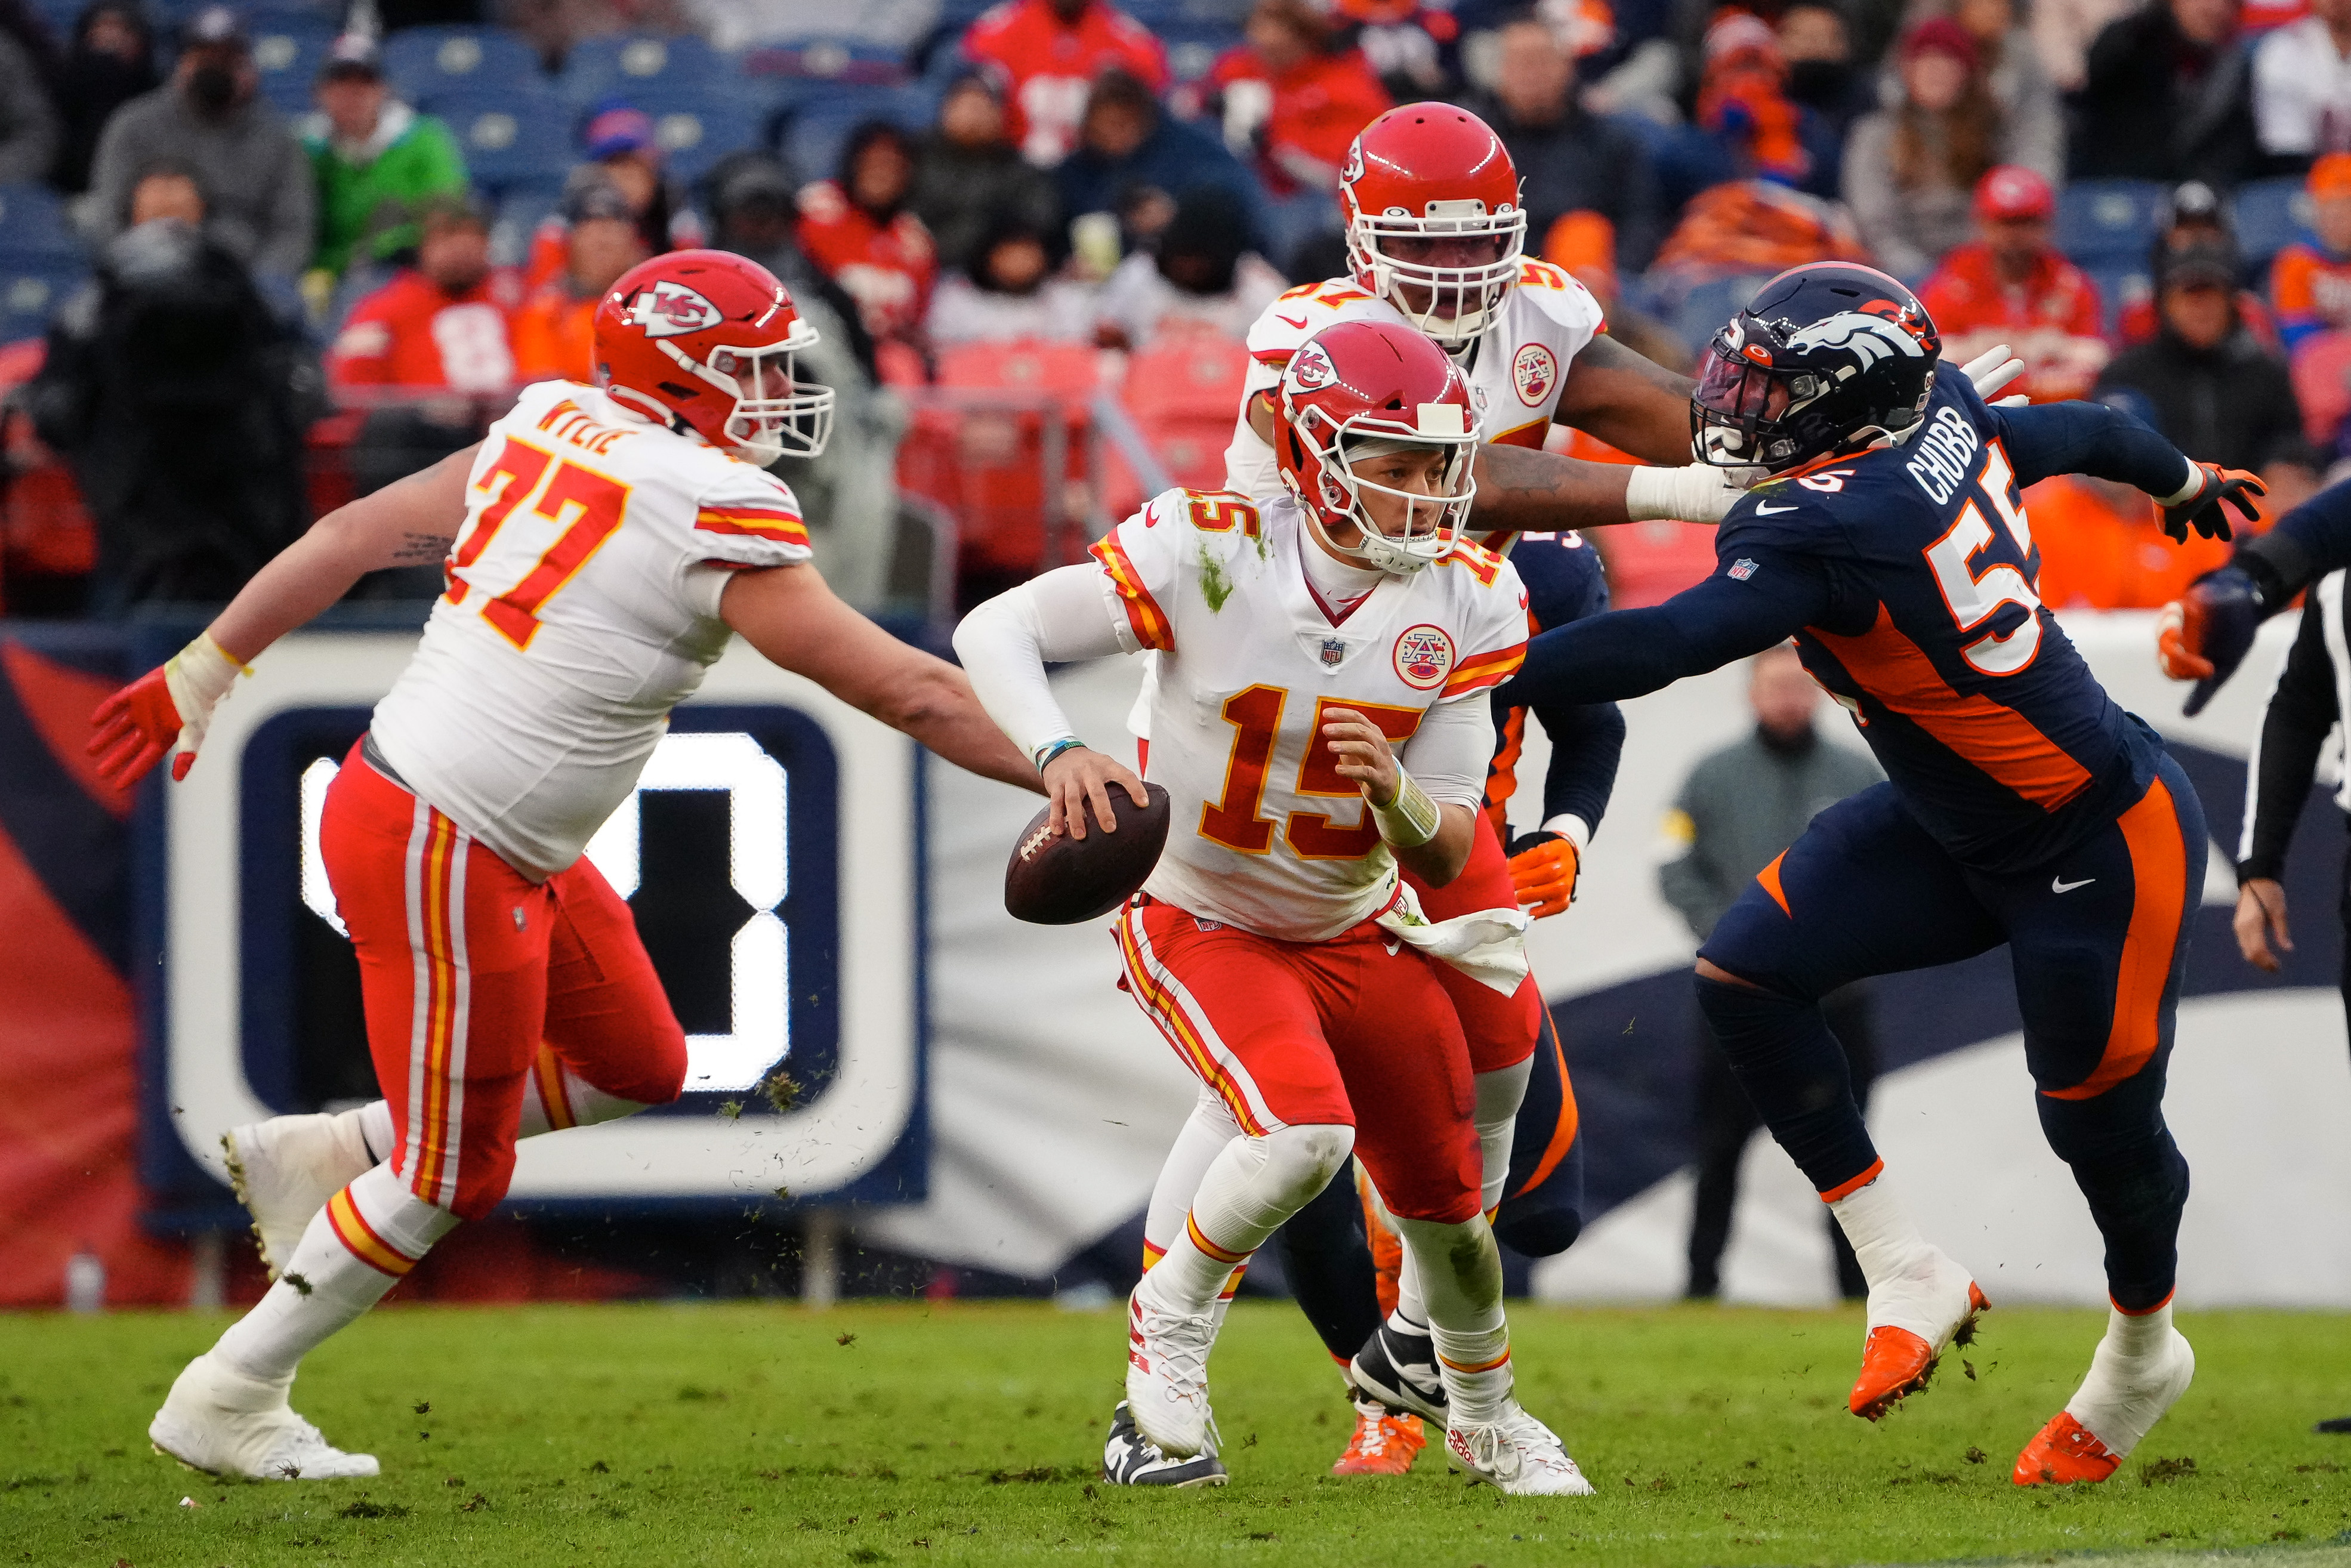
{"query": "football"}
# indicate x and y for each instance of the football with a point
(1053, 878)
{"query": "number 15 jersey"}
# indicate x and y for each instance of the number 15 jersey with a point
(1266, 834)
(582, 606)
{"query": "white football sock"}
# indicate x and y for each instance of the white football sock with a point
(1885, 1239)
(2141, 1367)
(1202, 1138)
(1411, 1314)
(1465, 1315)
(1251, 1189)
(1500, 1094)
(363, 1242)
(555, 1098)
(1913, 1284)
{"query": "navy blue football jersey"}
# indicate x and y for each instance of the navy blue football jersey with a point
(1565, 582)
(2000, 741)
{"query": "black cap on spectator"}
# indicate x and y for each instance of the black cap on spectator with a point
(592, 199)
(213, 24)
(353, 57)
(749, 177)
(451, 208)
(2203, 264)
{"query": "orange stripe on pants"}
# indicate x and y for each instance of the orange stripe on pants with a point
(2160, 877)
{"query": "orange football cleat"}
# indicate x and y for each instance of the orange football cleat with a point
(1383, 1444)
(2064, 1453)
(1896, 1362)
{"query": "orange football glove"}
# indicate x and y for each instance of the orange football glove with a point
(2172, 650)
(166, 709)
(1543, 870)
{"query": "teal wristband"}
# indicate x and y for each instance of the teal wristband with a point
(1067, 742)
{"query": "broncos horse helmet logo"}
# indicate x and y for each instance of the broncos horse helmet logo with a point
(1868, 338)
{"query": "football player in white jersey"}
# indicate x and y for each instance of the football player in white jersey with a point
(1319, 718)
(603, 544)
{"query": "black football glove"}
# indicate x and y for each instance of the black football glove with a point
(2202, 510)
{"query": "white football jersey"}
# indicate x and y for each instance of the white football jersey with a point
(582, 606)
(1266, 834)
(1515, 372)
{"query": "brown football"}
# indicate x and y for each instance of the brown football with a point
(1053, 878)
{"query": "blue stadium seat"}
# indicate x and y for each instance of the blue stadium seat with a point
(815, 127)
(1705, 308)
(30, 291)
(806, 66)
(695, 130)
(2271, 215)
(2120, 284)
(33, 222)
(2104, 222)
(426, 63)
(288, 49)
(1193, 45)
(508, 137)
(520, 212)
(622, 67)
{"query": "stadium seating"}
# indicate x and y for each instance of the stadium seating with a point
(622, 67)
(812, 63)
(2119, 287)
(509, 138)
(1182, 392)
(994, 469)
(695, 129)
(815, 127)
(428, 64)
(2271, 215)
(1701, 312)
(33, 222)
(2105, 223)
(30, 289)
(287, 49)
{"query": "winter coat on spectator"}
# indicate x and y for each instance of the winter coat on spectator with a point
(2051, 321)
(2313, 290)
(2155, 105)
(1907, 229)
(28, 123)
(1175, 158)
(1055, 311)
(1582, 163)
(959, 191)
(410, 333)
(2302, 93)
(1048, 66)
(2233, 404)
(888, 268)
(92, 83)
(1141, 304)
(410, 157)
(180, 401)
(1298, 124)
(2029, 106)
(260, 199)
(1755, 225)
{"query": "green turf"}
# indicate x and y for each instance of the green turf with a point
(969, 1434)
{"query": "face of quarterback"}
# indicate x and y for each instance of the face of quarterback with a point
(1392, 480)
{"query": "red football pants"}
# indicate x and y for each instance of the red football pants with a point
(1502, 1030)
(1345, 1032)
(465, 966)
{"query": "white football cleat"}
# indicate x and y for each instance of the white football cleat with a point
(218, 1420)
(1167, 1376)
(1517, 1454)
(285, 1170)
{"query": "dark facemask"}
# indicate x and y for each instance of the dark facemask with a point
(1819, 83)
(213, 88)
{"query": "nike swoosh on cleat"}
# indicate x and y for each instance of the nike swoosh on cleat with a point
(1765, 508)
(2058, 885)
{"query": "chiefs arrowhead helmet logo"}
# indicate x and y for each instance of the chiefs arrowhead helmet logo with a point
(1311, 368)
(671, 309)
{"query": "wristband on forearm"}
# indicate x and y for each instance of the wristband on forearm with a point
(1045, 754)
(1410, 819)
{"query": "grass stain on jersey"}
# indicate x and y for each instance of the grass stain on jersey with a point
(1215, 586)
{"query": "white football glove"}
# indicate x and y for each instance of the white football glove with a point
(1993, 370)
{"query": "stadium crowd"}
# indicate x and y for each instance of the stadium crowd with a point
(304, 249)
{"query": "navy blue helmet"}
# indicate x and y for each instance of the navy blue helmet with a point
(1828, 359)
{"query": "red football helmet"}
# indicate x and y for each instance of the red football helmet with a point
(729, 326)
(1434, 225)
(1363, 389)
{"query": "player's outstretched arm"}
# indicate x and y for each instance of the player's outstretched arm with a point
(2205, 634)
(793, 618)
(1631, 652)
(410, 523)
(1629, 401)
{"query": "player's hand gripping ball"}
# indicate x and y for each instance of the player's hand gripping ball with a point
(1066, 869)
(1544, 867)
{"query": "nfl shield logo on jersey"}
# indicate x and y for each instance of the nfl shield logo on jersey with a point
(1742, 570)
(670, 309)
(1424, 657)
(1333, 650)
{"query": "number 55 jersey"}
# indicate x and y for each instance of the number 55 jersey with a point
(1266, 834)
(1916, 569)
(583, 605)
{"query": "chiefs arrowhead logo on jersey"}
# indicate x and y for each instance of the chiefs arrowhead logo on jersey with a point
(1311, 368)
(1424, 657)
(1534, 372)
(671, 309)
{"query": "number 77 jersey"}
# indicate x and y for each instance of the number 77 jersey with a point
(1986, 719)
(583, 605)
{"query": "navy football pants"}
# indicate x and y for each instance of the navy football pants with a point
(2098, 938)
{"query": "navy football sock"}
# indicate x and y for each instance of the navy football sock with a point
(1795, 1073)
(2136, 1180)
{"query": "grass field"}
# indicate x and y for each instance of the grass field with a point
(971, 1434)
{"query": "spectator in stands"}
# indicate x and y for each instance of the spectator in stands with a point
(1048, 54)
(1201, 278)
(1740, 809)
(259, 199)
(445, 325)
(2301, 86)
(1009, 292)
(2032, 121)
(968, 171)
(2011, 285)
(28, 120)
(2193, 214)
(376, 159)
(1415, 50)
(2312, 283)
(1744, 111)
(2165, 95)
(111, 62)
(753, 209)
(860, 232)
(2063, 32)
(553, 334)
(1291, 99)
(1910, 170)
(1823, 76)
(2217, 394)
(180, 403)
(1131, 157)
(1752, 225)
(1569, 161)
